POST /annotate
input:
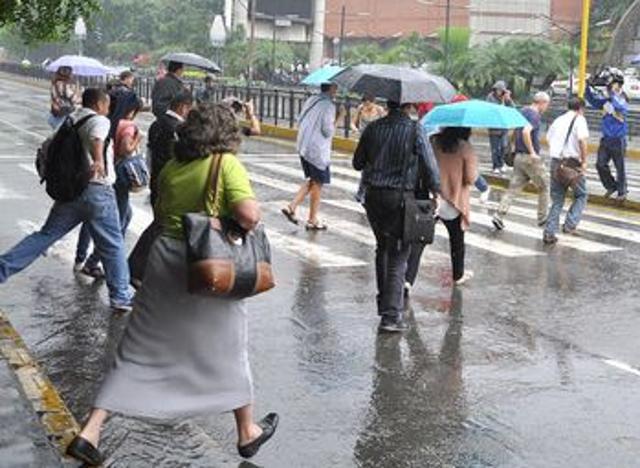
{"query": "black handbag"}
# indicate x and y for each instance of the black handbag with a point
(419, 222)
(225, 261)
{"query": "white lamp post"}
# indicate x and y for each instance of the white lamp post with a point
(80, 31)
(218, 36)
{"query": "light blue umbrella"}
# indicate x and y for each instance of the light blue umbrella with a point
(475, 114)
(322, 75)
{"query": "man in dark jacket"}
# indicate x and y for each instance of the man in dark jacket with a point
(123, 96)
(167, 88)
(392, 154)
(162, 135)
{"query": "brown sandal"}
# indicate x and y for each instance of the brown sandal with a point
(290, 215)
(316, 226)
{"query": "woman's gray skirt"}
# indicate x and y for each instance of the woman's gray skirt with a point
(181, 354)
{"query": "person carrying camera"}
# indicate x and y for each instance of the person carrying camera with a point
(613, 144)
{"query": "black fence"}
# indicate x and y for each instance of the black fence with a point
(281, 106)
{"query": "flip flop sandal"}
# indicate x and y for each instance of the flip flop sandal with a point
(316, 226)
(290, 215)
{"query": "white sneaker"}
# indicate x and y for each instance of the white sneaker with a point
(465, 278)
(497, 171)
(484, 196)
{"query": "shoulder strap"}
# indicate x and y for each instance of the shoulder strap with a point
(566, 139)
(308, 109)
(83, 121)
(211, 190)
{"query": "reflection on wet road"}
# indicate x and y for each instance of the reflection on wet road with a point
(525, 367)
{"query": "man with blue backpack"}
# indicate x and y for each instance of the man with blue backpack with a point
(77, 166)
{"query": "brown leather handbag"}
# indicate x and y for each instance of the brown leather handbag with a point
(224, 261)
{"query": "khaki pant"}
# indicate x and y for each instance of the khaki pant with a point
(527, 170)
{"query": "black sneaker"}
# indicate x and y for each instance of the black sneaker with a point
(391, 325)
(497, 223)
(549, 239)
(569, 231)
(609, 192)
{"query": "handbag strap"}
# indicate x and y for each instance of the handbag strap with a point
(211, 190)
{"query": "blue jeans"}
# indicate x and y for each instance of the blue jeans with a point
(84, 239)
(498, 142)
(481, 184)
(97, 208)
(612, 148)
(558, 193)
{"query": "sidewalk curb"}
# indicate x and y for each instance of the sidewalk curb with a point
(57, 421)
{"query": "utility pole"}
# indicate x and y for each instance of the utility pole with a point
(252, 40)
(584, 45)
(317, 35)
(341, 45)
(273, 48)
(446, 37)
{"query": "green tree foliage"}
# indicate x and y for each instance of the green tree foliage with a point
(44, 20)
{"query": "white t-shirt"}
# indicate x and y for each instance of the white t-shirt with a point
(96, 128)
(558, 133)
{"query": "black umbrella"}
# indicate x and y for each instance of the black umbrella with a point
(192, 60)
(394, 83)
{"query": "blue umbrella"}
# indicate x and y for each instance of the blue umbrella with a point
(475, 114)
(322, 75)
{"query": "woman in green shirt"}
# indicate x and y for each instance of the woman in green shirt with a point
(183, 355)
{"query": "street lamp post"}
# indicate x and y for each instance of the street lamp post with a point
(80, 31)
(447, 29)
(218, 36)
(342, 21)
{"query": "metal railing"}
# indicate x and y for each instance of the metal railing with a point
(282, 106)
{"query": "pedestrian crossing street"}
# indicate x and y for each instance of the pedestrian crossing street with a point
(277, 177)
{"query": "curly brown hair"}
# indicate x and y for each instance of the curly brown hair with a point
(209, 129)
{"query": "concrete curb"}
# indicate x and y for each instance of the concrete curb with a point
(59, 424)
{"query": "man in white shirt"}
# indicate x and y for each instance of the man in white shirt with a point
(568, 137)
(96, 207)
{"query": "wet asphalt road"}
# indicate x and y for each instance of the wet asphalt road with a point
(533, 364)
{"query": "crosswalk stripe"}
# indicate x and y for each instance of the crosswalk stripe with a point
(591, 212)
(9, 194)
(291, 172)
(311, 252)
(576, 243)
(585, 225)
(347, 229)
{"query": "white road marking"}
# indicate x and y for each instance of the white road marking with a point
(622, 366)
(585, 225)
(291, 172)
(29, 168)
(23, 130)
(9, 194)
(494, 246)
(311, 252)
(572, 242)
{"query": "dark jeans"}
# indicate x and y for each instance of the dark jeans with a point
(385, 216)
(498, 142)
(612, 149)
(456, 244)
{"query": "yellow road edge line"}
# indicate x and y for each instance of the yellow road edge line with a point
(59, 424)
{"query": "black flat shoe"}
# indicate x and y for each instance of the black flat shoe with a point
(268, 424)
(84, 451)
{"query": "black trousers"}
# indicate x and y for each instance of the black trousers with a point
(385, 217)
(456, 245)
